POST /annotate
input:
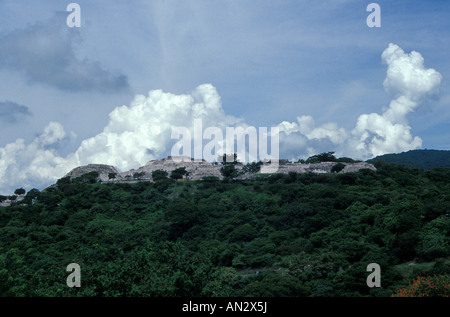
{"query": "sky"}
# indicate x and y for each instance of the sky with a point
(112, 90)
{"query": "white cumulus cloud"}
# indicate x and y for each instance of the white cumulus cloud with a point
(34, 164)
(408, 83)
(141, 131)
(134, 135)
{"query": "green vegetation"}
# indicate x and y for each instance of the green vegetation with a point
(425, 159)
(275, 235)
(138, 175)
(19, 191)
(253, 167)
(159, 175)
(179, 173)
(327, 157)
(426, 286)
(229, 171)
(337, 168)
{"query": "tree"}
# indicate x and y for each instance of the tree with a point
(252, 168)
(89, 178)
(244, 232)
(138, 175)
(112, 175)
(180, 217)
(322, 157)
(63, 180)
(337, 168)
(433, 244)
(276, 285)
(19, 191)
(347, 160)
(293, 215)
(178, 173)
(159, 175)
(33, 193)
(228, 171)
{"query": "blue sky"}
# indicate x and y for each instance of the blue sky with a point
(269, 61)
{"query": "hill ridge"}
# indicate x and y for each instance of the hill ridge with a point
(198, 169)
(421, 158)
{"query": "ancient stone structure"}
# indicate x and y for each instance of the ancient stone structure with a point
(7, 202)
(103, 170)
(198, 169)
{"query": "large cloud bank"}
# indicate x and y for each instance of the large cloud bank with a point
(134, 135)
(407, 81)
(141, 131)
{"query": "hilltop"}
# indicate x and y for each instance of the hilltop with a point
(424, 159)
(103, 170)
(198, 169)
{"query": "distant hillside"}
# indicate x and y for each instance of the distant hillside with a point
(425, 159)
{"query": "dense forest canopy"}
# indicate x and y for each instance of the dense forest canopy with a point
(275, 235)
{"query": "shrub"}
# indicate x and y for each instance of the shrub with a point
(426, 286)
(89, 178)
(229, 171)
(252, 168)
(139, 175)
(19, 191)
(178, 173)
(276, 285)
(159, 175)
(322, 157)
(243, 233)
(337, 168)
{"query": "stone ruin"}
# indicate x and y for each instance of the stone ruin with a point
(198, 169)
